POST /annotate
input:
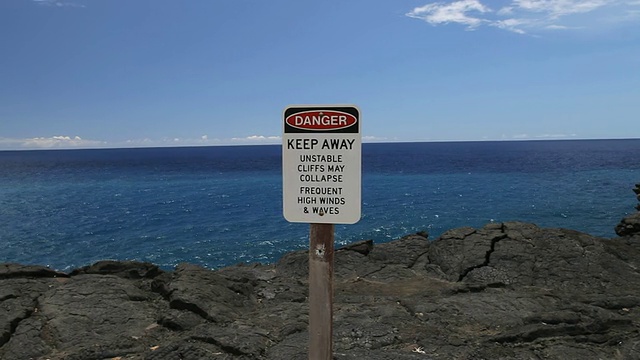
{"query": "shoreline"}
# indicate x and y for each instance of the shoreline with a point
(509, 290)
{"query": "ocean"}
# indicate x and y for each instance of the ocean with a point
(217, 206)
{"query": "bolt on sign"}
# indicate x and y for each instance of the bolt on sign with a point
(321, 164)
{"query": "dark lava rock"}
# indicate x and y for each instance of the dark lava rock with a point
(629, 226)
(125, 269)
(505, 291)
(10, 270)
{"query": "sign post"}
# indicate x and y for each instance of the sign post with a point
(321, 167)
(321, 238)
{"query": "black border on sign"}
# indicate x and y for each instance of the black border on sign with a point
(353, 129)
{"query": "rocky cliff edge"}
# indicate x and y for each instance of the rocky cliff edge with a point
(505, 291)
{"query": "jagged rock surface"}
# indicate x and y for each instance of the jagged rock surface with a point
(505, 291)
(630, 225)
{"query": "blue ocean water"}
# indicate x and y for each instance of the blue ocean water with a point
(216, 206)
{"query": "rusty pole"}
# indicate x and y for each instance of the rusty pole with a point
(321, 250)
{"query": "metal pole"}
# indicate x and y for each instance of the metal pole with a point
(321, 249)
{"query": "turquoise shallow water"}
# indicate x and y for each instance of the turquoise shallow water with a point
(217, 206)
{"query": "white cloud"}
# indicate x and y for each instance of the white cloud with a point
(505, 11)
(370, 138)
(527, 16)
(455, 12)
(556, 136)
(59, 141)
(203, 140)
(258, 139)
(57, 3)
(558, 8)
(167, 141)
(71, 142)
(525, 136)
(562, 27)
(513, 25)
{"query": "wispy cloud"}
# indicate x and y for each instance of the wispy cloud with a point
(556, 136)
(203, 140)
(52, 142)
(258, 139)
(527, 16)
(76, 142)
(539, 137)
(371, 138)
(556, 8)
(58, 3)
(464, 12)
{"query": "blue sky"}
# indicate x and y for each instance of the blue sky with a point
(125, 73)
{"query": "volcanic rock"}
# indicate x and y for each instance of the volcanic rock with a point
(630, 225)
(504, 291)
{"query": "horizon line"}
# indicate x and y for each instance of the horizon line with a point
(537, 139)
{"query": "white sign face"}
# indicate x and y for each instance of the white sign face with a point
(321, 164)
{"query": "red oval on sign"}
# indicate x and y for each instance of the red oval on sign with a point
(321, 120)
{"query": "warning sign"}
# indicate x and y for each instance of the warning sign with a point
(321, 164)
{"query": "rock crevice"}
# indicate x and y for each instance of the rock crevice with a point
(510, 291)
